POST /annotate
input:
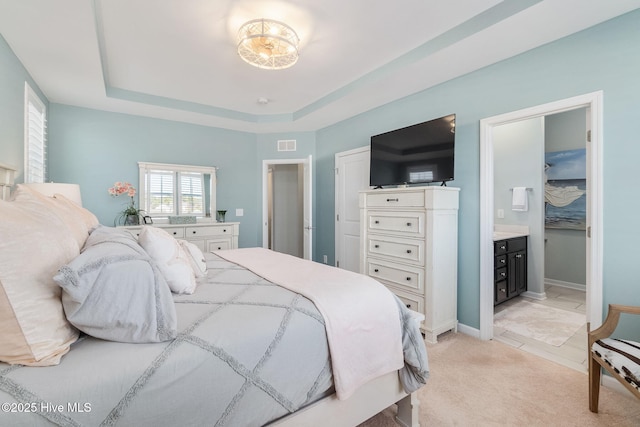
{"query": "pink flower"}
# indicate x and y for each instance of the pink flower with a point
(122, 188)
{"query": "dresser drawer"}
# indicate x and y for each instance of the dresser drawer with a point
(392, 200)
(405, 277)
(413, 302)
(406, 250)
(217, 245)
(208, 231)
(177, 232)
(409, 223)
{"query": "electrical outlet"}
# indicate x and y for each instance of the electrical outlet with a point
(239, 212)
(500, 213)
(325, 259)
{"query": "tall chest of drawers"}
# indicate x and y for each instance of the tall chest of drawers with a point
(409, 242)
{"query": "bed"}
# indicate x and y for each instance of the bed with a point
(240, 350)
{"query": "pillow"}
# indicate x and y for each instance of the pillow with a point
(196, 258)
(172, 260)
(73, 221)
(89, 219)
(114, 291)
(34, 244)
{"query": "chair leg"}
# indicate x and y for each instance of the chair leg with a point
(594, 384)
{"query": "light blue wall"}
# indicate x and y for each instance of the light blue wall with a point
(96, 148)
(12, 78)
(601, 58)
(518, 150)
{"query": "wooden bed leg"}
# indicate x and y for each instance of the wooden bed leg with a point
(594, 384)
(409, 411)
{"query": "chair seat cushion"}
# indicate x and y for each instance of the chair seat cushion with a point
(623, 356)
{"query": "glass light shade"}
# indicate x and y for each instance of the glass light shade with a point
(268, 44)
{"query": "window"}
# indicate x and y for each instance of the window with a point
(169, 190)
(35, 137)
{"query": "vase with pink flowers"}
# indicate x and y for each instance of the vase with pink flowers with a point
(130, 215)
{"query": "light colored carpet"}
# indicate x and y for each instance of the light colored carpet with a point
(487, 383)
(540, 322)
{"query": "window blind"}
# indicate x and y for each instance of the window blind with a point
(35, 137)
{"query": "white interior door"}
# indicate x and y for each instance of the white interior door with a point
(307, 221)
(352, 175)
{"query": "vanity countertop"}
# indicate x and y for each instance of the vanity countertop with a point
(503, 235)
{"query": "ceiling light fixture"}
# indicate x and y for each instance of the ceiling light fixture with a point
(268, 44)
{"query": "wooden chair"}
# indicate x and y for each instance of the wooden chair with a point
(616, 356)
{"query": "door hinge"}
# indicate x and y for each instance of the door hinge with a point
(589, 135)
(338, 217)
(338, 264)
(589, 232)
(337, 171)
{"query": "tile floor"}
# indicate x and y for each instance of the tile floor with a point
(572, 353)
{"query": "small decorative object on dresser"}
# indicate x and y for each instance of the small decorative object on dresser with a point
(130, 215)
(221, 215)
(409, 242)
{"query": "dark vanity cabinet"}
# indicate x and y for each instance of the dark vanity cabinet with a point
(510, 268)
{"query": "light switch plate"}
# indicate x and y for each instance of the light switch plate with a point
(239, 212)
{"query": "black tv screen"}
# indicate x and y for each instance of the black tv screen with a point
(420, 153)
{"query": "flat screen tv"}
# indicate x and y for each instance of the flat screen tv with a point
(417, 154)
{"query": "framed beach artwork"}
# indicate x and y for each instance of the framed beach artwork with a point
(565, 189)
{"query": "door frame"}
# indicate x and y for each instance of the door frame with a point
(308, 205)
(594, 102)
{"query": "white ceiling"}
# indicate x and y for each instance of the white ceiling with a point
(176, 59)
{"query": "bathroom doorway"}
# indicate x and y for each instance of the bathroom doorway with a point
(545, 155)
(593, 103)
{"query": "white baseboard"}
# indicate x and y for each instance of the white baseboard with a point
(562, 284)
(468, 330)
(534, 295)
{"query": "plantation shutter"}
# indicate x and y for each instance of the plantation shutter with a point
(191, 193)
(35, 137)
(161, 192)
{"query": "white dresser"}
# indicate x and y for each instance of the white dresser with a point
(409, 242)
(210, 236)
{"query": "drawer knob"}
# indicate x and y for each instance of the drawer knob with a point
(519, 256)
(376, 246)
(392, 200)
(194, 231)
(503, 261)
(503, 247)
(408, 305)
(408, 279)
(219, 248)
(408, 224)
(224, 230)
(376, 222)
(504, 291)
(503, 274)
(375, 270)
(175, 232)
(408, 251)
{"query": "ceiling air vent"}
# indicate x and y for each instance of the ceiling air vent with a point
(286, 145)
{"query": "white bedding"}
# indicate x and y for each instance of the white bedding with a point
(364, 333)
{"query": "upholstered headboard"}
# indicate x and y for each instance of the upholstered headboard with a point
(7, 175)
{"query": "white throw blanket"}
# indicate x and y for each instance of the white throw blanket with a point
(361, 315)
